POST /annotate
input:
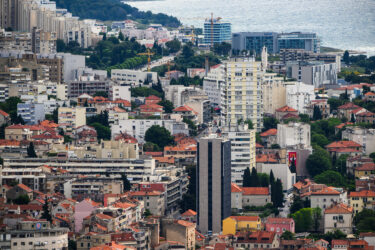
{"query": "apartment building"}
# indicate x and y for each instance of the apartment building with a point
(338, 217)
(34, 178)
(243, 151)
(31, 113)
(72, 118)
(212, 84)
(137, 170)
(134, 78)
(273, 93)
(299, 96)
(153, 201)
(88, 85)
(294, 135)
(242, 99)
(363, 136)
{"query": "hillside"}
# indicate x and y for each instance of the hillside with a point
(114, 10)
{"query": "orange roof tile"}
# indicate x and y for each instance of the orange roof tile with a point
(153, 97)
(286, 109)
(189, 212)
(185, 223)
(104, 216)
(3, 113)
(24, 187)
(343, 144)
(144, 193)
(339, 242)
(279, 220)
(369, 166)
(271, 131)
(340, 126)
(348, 105)
(101, 227)
(265, 158)
(362, 193)
(235, 188)
(123, 205)
(255, 191)
(184, 108)
(326, 191)
(370, 94)
(339, 209)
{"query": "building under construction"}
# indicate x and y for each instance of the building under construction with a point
(216, 31)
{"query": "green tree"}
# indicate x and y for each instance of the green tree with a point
(365, 220)
(297, 205)
(60, 45)
(317, 114)
(306, 219)
(345, 58)
(125, 183)
(316, 216)
(269, 122)
(121, 36)
(31, 151)
(189, 199)
(147, 213)
(102, 131)
(246, 178)
(330, 177)
(319, 139)
(72, 245)
(46, 213)
(173, 45)
(318, 162)
(352, 118)
(159, 136)
(272, 177)
(287, 235)
(22, 200)
(193, 128)
(264, 179)
(304, 118)
(168, 106)
(2, 131)
(293, 167)
(187, 51)
(334, 103)
(334, 235)
(372, 156)
(340, 164)
(254, 180)
(249, 124)
(278, 195)
(67, 139)
(275, 146)
(151, 147)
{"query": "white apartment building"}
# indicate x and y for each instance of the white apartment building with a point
(212, 84)
(136, 170)
(138, 127)
(173, 93)
(299, 95)
(243, 149)
(71, 118)
(241, 92)
(31, 177)
(273, 93)
(294, 135)
(363, 136)
(119, 92)
(134, 77)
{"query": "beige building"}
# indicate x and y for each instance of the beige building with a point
(180, 230)
(153, 201)
(273, 93)
(241, 92)
(71, 118)
(249, 196)
(89, 240)
(117, 149)
(338, 217)
(35, 234)
(363, 136)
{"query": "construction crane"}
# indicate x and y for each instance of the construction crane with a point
(192, 35)
(212, 28)
(149, 54)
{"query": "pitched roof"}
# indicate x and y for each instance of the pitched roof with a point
(93, 203)
(370, 94)
(340, 126)
(255, 191)
(145, 193)
(290, 115)
(245, 218)
(266, 158)
(279, 220)
(362, 193)
(369, 166)
(124, 205)
(153, 97)
(24, 187)
(365, 114)
(189, 212)
(104, 216)
(3, 113)
(185, 223)
(348, 105)
(271, 131)
(339, 243)
(343, 144)
(286, 108)
(184, 108)
(339, 209)
(235, 188)
(326, 191)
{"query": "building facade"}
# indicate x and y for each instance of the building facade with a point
(213, 183)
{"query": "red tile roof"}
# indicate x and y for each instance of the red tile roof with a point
(189, 213)
(339, 243)
(258, 237)
(365, 114)
(3, 113)
(257, 145)
(266, 158)
(290, 115)
(255, 191)
(343, 144)
(153, 97)
(326, 191)
(184, 108)
(104, 216)
(369, 166)
(286, 109)
(235, 188)
(185, 223)
(370, 94)
(271, 131)
(24, 187)
(339, 209)
(145, 193)
(340, 126)
(279, 220)
(362, 193)
(348, 105)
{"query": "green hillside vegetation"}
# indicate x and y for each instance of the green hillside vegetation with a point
(114, 10)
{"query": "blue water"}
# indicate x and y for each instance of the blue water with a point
(344, 24)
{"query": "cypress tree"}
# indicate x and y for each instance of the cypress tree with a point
(46, 215)
(254, 178)
(31, 151)
(246, 178)
(126, 183)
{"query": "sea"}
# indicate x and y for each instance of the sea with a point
(342, 24)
